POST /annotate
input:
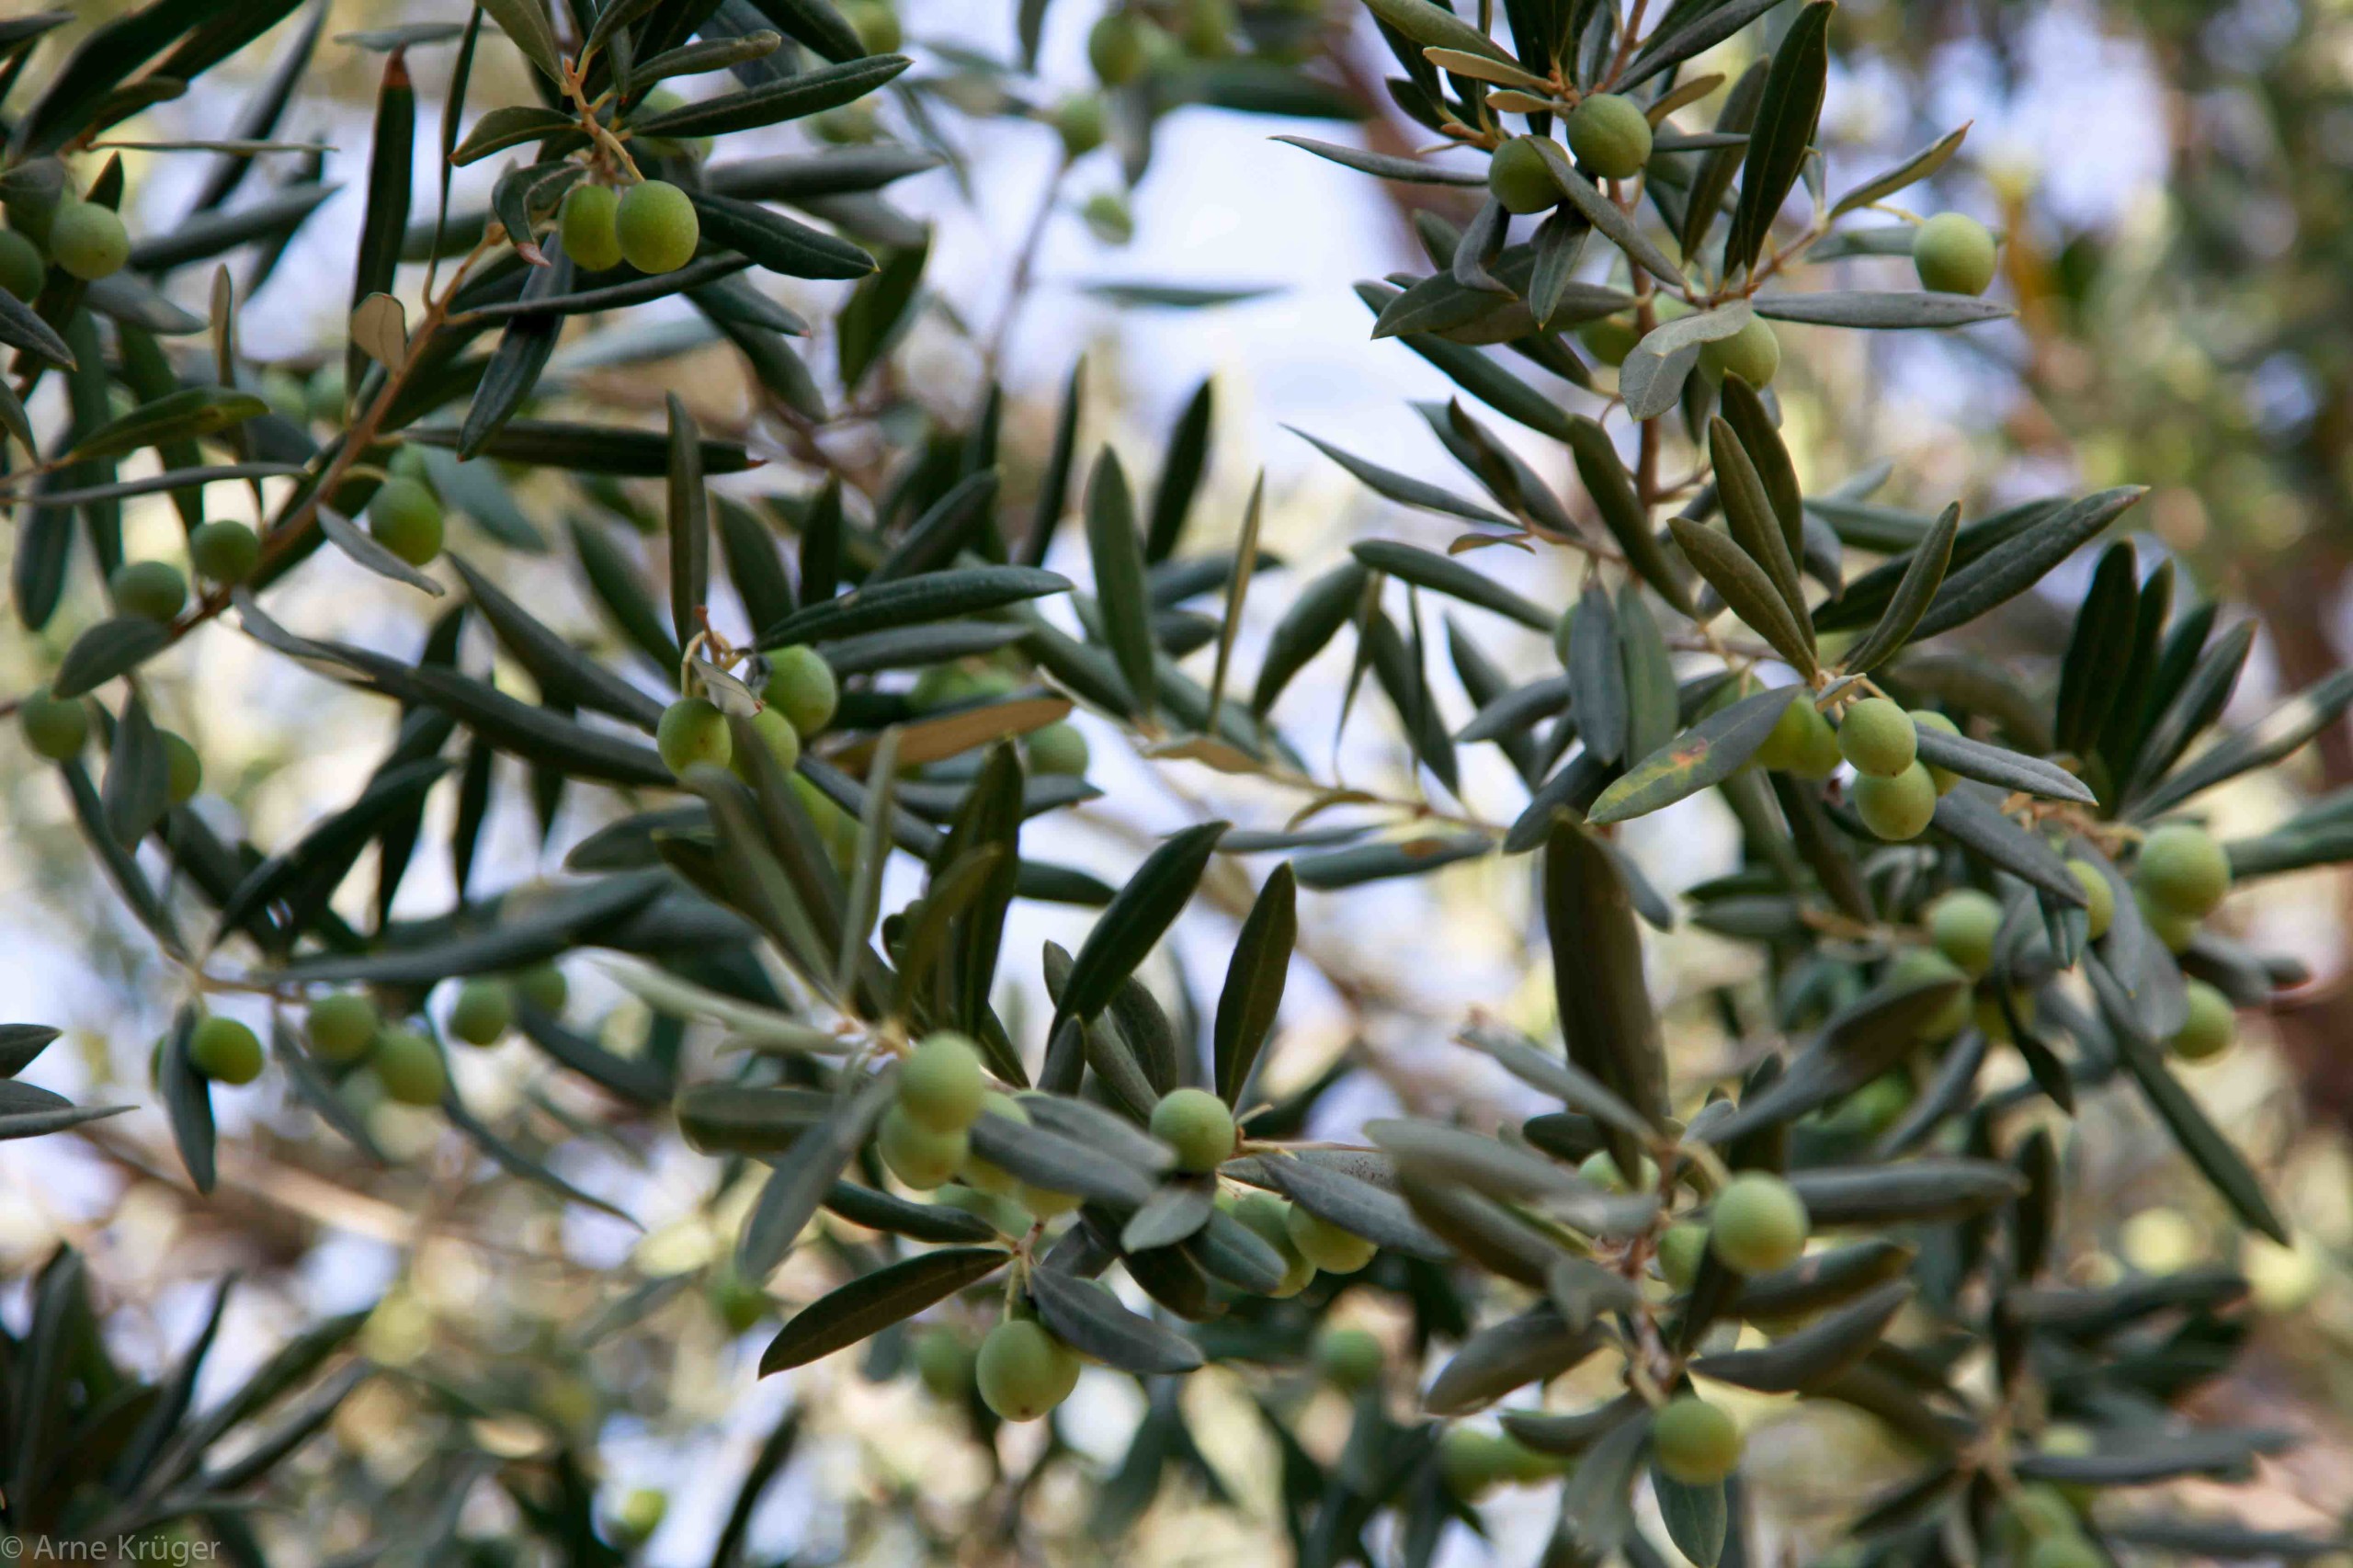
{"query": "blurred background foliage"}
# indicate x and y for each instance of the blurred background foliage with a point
(2174, 183)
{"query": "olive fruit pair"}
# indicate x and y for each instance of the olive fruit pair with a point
(799, 701)
(942, 1088)
(651, 225)
(345, 1028)
(1801, 742)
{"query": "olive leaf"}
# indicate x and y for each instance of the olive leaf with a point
(874, 1302)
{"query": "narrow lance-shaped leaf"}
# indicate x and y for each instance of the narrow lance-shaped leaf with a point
(874, 1302)
(1605, 1008)
(1255, 978)
(689, 514)
(1913, 596)
(1746, 589)
(1783, 133)
(1613, 488)
(1128, 931)
(390, 167)
(1705, 755)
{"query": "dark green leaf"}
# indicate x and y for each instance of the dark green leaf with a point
(874, 1302)
(1706, 754)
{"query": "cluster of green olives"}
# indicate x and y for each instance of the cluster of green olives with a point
(346, 1029)
(2180, 875)
(798, 702)
(86, 240)
(57, 728)
(1129, 43)
(942, 1087)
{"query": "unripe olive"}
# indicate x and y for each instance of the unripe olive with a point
(1195, 1124)
(1472, 1462)
(2183, 869)
(1519, 178)
(1057, 749)
(1324, 1245)
(1801, 742)
(225, 551)
(55, 727)
(1107, 216)
(1993, 1022)
(325, 393)
(1753, 354)
(1045, 1202)
(484, 1011)
(802, 684)
(36, 190)
(1681, 1248)
(342, 1026)
(693, 730)
(1877, 736)
(1930, 718)
(542, 986)
(588, 220)
(22, 270)
(1024, 1371)
(405, 519)
(2099, 896)
(921, 1156)
(995, 1180)
(1600, 1167)
(1872, 1108)
(224, 1050)
(1078, 121)
(1758, 1223)
(657, 226)
(1268, 1218)
(944, 1363)
(153, 589)
(1349, 1358)
(941, 1083)
(776, 734)
(876, 24)
(641, 1512)
(1695, 1442)
(2034, 1512)
(739, 1303)
(1208, 28)
(88, 240)
(1610, 135)
(1963, 923)
(2174, 929)
(1917, 966)
(1114, 48)
(410, 1067)
(182, 769)
(1953, 253)
(1609, 339)
(2210, 1028)
(1898, 808)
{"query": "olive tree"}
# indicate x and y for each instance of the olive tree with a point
(824, 731)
